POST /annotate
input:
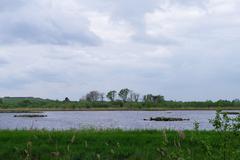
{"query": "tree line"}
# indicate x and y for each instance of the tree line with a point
(124, 95)
(114, 99)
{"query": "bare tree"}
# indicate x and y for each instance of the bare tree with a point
(93, 96)
(136, 97)
(133, 97)
(101, 95)
(153, 98)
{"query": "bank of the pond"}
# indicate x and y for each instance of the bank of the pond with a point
(38, 110)
(117, 144)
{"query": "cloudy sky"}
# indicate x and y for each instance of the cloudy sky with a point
(182, 49)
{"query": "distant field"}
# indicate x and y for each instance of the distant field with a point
(116, 144)
(31, 104)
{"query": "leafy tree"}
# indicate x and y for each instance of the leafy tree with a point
(123, 94)
(111, 95)
(66, 99)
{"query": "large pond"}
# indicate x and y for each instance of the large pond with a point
(126, 120)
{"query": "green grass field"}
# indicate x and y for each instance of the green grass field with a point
(117, 144)
(31, 104)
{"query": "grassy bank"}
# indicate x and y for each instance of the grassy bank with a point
(39, 110)
(31, 104)
(116, 144)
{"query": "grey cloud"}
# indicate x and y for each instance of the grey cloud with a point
(3, 62)
(13, 83)
(6, 5)
(201, 3)
(47, 75)
(159, 40)
(32, 33)
(44, 27)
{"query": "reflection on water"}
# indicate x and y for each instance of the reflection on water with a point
(106, 119)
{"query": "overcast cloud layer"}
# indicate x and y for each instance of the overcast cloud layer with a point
(182, 49)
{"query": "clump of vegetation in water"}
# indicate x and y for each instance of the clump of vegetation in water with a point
(166, 119)
(30, 115)
(230, 113)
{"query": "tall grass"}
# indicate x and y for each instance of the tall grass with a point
(116, 144)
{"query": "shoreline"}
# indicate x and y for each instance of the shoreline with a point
(39, 110)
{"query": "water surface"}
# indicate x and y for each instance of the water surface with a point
(62, 120)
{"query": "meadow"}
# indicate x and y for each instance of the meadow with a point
(118, 144)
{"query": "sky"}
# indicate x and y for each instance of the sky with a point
(182, 49)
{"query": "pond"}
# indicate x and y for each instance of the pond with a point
(126, 120)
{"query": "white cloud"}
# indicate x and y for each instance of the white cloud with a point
(172, 21)
(111, 31)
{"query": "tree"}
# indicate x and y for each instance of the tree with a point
(111, 95)
(66, 99)
(133, 96)
(148, 98)
(158, 99)
(123, 94)
(236, 102)
(93, 96)
(101, 95)
(136, 97)
(153, 99)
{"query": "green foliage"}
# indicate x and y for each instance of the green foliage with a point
(123, 94)
(25, 103)
(222, 122)
(129, 99)
(115, 144)
(111, 95)
(153, 98)
(228, 129)
(196, 125)
(66, 99)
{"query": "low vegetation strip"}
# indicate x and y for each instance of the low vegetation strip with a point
(30, 115)
(233, 113)
(125, 99)
(167, 119)
(117, 144)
